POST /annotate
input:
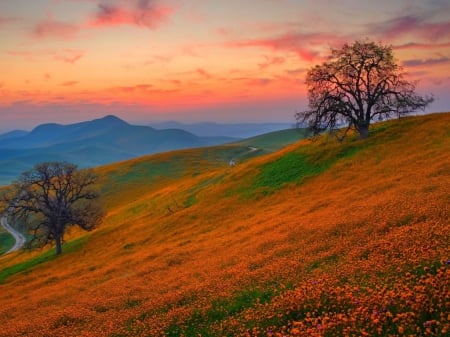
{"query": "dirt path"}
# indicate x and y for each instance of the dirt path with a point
(20, 239)
(250, 150)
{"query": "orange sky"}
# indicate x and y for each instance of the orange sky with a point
(147, 60)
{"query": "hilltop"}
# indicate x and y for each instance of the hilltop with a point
(90, 143)
(318, 238)
(235, 130)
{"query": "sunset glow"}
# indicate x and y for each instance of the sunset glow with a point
(147, 60)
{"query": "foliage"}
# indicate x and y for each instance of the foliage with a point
(358, 84)
(52, 197)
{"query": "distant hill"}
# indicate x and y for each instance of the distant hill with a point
(236, 130)
(13, 134)
(91, 143)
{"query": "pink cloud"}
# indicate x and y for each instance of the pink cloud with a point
(426, 62)
(28, 55)
(436, 31)
(257, 28)
(158, 59)
(69, 83)
(50, 28)
(296, 72)
(143, 89)
(68, 56)
(224, 31)
(134, 88)
(271, 61)
(4, 21)
(411, 25)
(202, 72)
(146, 13)
(194, 50)
(299, 43)
(423, 46)
(259, 82)
(395, 27)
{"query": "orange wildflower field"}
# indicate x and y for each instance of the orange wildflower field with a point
(320, 238)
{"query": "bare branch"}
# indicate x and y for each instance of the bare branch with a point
(358, 83)
(52, 197)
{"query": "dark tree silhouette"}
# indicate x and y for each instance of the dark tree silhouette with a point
(359, 83)
(52, 197)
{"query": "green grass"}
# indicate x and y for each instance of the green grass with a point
(159, 168)
(289, 168)
(274, 141)
(306, 162)
(149, 170)
(6, 242)
(49, 255)
(200, 322)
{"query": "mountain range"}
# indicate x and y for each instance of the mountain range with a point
(236, 130)
(91, 143)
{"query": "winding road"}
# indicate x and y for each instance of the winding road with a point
(20, 239)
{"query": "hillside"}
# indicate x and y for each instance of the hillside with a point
(91, 143)
(317, 239)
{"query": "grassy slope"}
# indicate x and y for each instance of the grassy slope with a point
(316, 239)
(6, 241)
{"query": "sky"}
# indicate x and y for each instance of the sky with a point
(66, 61)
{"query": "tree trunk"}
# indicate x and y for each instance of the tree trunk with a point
(363, 131)
(58, 244)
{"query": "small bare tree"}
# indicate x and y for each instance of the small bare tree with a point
(359, 83)
(52, 197)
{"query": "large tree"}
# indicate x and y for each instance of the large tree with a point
(359, 83)
(52, 197)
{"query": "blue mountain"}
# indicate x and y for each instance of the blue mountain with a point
(91, 143)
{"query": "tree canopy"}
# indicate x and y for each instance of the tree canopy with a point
(359, 83)
(52, 197)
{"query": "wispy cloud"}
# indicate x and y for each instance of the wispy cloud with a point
(413, 25)
(51, 28)
(426, 62)
(69, 83)
(271, 61)
(5, 20)
(415, 46)
(203, 73)
(254, 82)
(303, 44)
(134, 88)
(27, 55)
(296, 72)
(143, 90)
(146, 13)
(70, 56)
